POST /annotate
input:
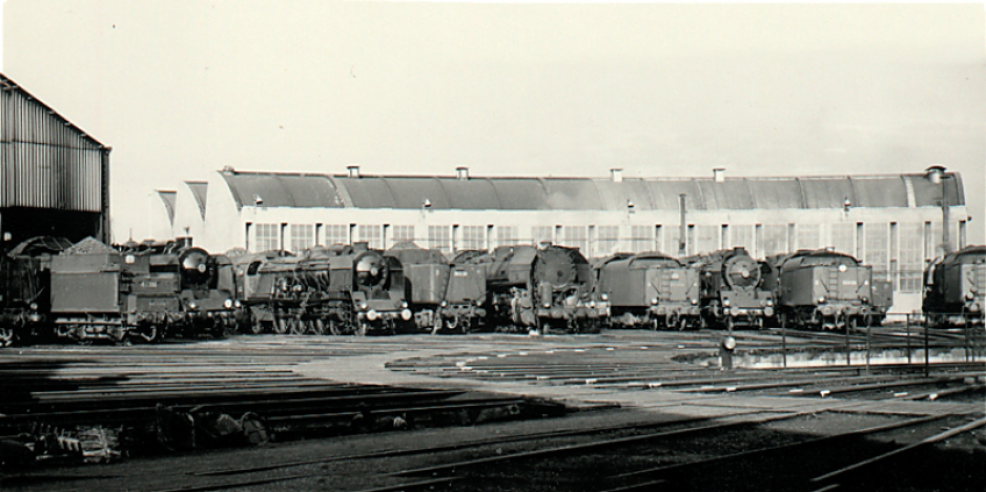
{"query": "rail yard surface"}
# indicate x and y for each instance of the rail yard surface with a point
(620, 410)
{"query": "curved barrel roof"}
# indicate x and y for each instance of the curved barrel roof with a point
(532, 193)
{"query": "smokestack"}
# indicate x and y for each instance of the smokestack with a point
(462, 173)
(719, 174)
(353, 171)
(617, 174)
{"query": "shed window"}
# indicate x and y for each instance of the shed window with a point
(402, 234)
(911, 261)
(842, 237)
(267, 237)
(439, 238)
(302, 236)
(641, 238)
(506, 235)
(575, 237)
(372, 235)
(607, 241)
(473, 237)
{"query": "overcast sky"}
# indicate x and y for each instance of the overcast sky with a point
(182, 88)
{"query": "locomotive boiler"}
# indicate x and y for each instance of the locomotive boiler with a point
(955, 288)
(820, 289)
(649, 289)
(731, 291)
(537, 287)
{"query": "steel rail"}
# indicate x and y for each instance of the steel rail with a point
(590, 445)
(465, 445)
(752, 452)
(933, 439)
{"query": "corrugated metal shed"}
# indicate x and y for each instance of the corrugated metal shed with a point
(520, 193)
(47, 161)
(471, 194)
(51, 167)
(572, 194)
(884, 191)
(827, 192)
(200, 190)
(477, 193)
(928, 194)
(776, 193)
(282, 190)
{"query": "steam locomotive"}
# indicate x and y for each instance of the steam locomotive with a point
(441, 296)
(338, 290)
(821, 289)
(537, 287)
(731, 289)
(649, 289)
(955, 288)
(90, 291)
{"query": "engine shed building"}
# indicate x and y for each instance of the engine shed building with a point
(54, 177)
(892, 222)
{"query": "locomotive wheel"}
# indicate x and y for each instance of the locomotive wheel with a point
(297, 326)
(281, 326)
(7, 337)
(334, 327)
(256, 326)
(320, 328)
(362, 328)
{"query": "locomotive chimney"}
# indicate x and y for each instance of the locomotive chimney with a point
(617, 174)
(719, 174)
(935, 173)
(353, 171)
(462, 173)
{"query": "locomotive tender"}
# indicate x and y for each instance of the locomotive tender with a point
(820, 289)
(649, 289)
(441, 296)
(955, 288)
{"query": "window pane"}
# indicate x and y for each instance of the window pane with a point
(370, 234)
(541, 234)
(336, 234)
(911, 261)
(302, 237)
(809, 236)
(506, 235)
(267, 237)
(473, 237)
(842, 238)
(774, 240)
(877, 243)
(402, 234)
(706, 238)
(607, 242)
(439, 238)
(641, 238)
(575, 237)
(742, 236)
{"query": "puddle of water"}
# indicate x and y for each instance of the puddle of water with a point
(837, 358)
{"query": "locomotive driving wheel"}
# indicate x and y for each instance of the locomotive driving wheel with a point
(7, 337)
(319, 326)
(281, 325)
(296, 325)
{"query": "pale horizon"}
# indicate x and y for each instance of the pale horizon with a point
(182, 89)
